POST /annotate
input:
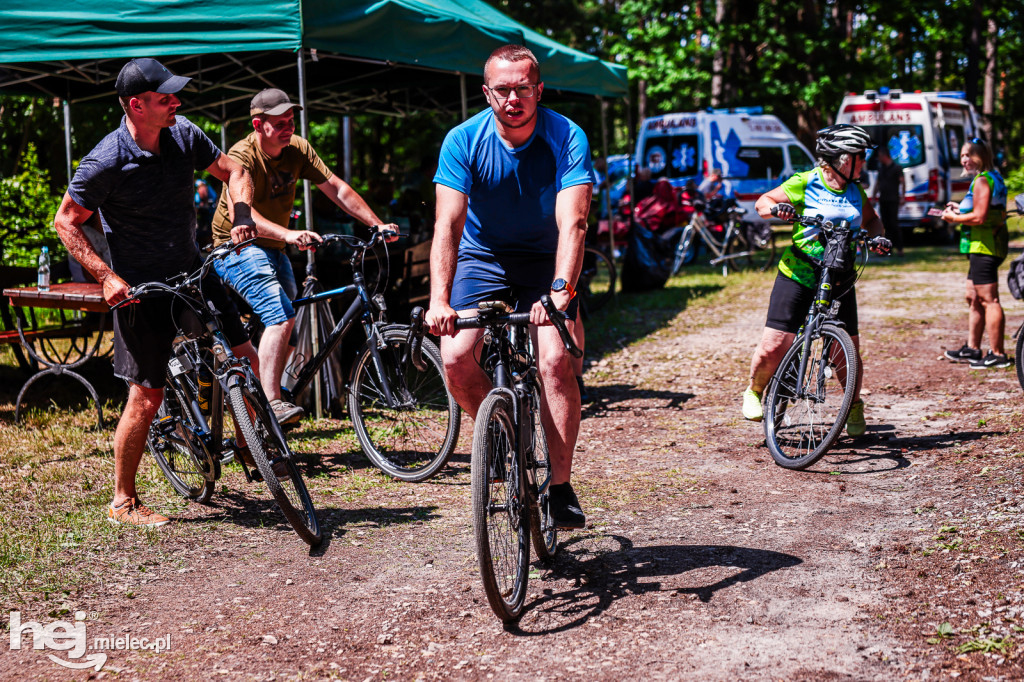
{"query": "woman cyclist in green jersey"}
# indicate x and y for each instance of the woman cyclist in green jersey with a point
(830, 190)
(984, 239)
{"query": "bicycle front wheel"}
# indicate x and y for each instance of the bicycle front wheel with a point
(270, 452)
(685, 249)
(181, 454)
(412, 436)
(500, 520)
(801, 425)
(596, 283)
(542, 528)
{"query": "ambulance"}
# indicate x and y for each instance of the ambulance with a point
(924, 132)
(755, 151)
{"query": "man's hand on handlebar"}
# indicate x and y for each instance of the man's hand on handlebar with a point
(390, 232)
(539, 316)
(880, 245)
(784, 211)
(115, 289)
(304, 239)
(441, 319)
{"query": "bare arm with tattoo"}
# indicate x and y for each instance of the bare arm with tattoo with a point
(68, 223)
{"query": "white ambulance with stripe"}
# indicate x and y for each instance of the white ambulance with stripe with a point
(924, 132)
(755, 151)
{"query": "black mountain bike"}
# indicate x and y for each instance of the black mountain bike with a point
(510, 470)
(186, 438)
(810, 395)
(405, 419)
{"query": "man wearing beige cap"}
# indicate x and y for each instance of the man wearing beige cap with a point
(277, 159)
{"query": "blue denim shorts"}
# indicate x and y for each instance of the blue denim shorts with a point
(264, 278)
(520, 281)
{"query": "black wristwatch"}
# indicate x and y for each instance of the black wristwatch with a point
(561, 285)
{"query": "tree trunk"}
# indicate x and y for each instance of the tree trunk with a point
(988, 105)
(973, 52)
(718, 61)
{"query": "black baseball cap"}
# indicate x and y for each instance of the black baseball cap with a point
(145, 75)
(272, 102)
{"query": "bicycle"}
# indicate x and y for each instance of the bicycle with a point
(743, 244)
(510, 469)
(596, 283)
(811, 392)
(186, 437)
(404, 417)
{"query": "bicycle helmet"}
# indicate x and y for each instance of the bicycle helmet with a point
(840, 139)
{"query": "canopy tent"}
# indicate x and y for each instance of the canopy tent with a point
(391, 56)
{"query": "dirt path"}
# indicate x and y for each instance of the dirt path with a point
(703, 559)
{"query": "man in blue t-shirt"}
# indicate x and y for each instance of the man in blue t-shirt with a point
(140, 179)
(514, 185)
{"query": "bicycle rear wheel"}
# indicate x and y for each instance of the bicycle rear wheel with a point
(542, 528)
(596, 283)
(500, 516)
(756, 243)
(180, 453)
(1018, 356)
(266, 444)
(800, 427)
(413, 438)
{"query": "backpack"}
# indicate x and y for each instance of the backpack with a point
(648, 261)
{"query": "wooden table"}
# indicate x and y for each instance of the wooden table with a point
(38, 343)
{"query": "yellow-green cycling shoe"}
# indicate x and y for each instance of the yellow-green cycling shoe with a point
(855, 423)
(752, 405)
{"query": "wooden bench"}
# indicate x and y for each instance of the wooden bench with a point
(414, 284)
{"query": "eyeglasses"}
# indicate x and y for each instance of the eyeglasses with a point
(522, 92)
(976, 140)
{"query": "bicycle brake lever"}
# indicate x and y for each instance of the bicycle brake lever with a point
(558, 320)
(416, 339)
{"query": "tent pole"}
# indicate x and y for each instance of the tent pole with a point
(346, 140)
(606, 194)
(307, 204)
(223, 127)
(462, 93)
(67, 136)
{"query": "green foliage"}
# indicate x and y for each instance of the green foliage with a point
(27, 209)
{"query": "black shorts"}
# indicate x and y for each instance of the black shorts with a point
(519, 281)
(145, 331)
(983, 269)
(790, 301)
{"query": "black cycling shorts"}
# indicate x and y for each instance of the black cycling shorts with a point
(145, 331)
(790, 301)
(983, 269)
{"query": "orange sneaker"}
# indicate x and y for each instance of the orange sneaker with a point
(131, 512)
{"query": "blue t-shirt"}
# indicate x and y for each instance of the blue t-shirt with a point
(145, 200)
(512, 191)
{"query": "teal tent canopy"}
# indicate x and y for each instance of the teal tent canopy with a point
(389, 56)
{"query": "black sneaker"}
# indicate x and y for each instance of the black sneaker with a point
(565, 508)
(992, 361)
(964, 354)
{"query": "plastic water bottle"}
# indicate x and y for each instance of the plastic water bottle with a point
(43, 278)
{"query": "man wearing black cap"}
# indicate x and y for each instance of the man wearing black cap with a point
(140, 180)
(277, 159)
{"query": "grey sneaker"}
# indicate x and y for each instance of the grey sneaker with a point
(963, 354)
(992, 361)
(285, 412)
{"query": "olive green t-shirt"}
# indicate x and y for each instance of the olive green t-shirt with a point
(273, 180)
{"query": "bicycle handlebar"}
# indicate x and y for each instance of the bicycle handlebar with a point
(181, 280)
(416, 331)
(880, 245)
(356, 242)
(557, 317)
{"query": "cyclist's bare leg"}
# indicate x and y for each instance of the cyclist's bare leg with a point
(273, 355)
(995, 322)
(773, 346)
(130, 438)
(975, 316)
(468, 383)
(579, 338)
(559, 399)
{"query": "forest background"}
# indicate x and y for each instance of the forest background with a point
(796, 58)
